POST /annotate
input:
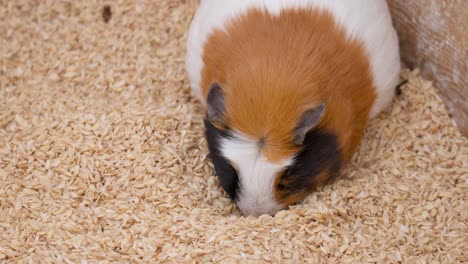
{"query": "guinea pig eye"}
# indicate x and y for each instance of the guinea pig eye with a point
(285, 174)
(282, 183)
(281, 187)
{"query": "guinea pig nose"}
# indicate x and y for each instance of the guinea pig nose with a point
(251, 211)
(258, 210)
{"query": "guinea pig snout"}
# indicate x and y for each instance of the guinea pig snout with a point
(258, 207)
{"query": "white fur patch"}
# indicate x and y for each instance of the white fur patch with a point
(256, 175)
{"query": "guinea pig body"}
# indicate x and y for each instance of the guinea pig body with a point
(289, 87)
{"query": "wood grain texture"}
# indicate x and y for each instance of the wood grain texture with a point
(433, 37)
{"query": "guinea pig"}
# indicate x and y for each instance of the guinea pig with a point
(288, 88)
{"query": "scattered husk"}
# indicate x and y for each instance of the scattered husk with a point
(102, 157)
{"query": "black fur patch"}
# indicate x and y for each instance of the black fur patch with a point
(321, 152)
(224, 170)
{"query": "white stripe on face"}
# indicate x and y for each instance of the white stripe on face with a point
(256, 175)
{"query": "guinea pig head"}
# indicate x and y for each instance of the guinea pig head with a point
(268, 154)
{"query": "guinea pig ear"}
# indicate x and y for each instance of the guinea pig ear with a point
(215, 105)
(309, 120)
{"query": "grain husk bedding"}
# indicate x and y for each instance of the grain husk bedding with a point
(103, 159)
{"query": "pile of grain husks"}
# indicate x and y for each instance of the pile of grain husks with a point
(102, 156)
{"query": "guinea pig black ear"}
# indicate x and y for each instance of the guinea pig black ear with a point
(215, 105)
(309, 120)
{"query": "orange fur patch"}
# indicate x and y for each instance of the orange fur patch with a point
(273, 68)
